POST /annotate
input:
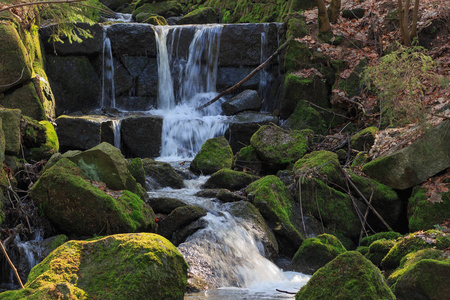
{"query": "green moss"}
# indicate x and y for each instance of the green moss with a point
(296, 25)
(352, 84)
(91, 210)
(414, 242)
(315, 253)
(362, 249)
(364, 139)
(229, 179)
(349, 276)
(378, 250)
(27, 100)
(214, 155)
(136, 168)
(331, 206)
(203, 15)
(424, 214)
(279, 147)
(307, 117)
(389, 235)
(58, 241)
(126, 266)
(163, 8)
(359, 160)
(156, 20)
(322, 164)
(423, 273)
(51, 145)
(297, 56)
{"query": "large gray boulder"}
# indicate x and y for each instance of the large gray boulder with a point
(141, 136)
(413, 164)
(83, 132)
(247, 100)
(162, 174)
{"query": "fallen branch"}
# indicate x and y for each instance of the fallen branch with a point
(259, 68)
(286, 292)
(39, 3)
(12, 265)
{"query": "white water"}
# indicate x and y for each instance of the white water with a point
(184, 128)
(228, 254)
(265, 78)
(108, 91)
(117, 124)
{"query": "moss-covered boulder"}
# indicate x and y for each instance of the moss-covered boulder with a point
(333, 207)
(27, 100)
(40, 139)
(155, 20)
(11, 128)
(229, 179)
(415, 163)
(67, 197)
(388, 235)
(275, 203)
(123, 266)
(295, 88)
(15, 60)
(279, 147)
(314, 253)
(352, 85)
(214, 155)
(378, 250)
(306, 117)
(4, 182)
(136, 168)
(2, 143)
(322, 164)
(163, 173)
(412, 243)
(364, 139)
(165, 205)
(162, 8)
(296, 25)
(179, 218)
(424, 213)
(203, 15)
(348, 277)
(247, 159)
(422, 275)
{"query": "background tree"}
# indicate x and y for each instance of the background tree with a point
(334, 10)
(403, 15)
(325, 32)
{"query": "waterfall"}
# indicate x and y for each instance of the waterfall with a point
(108, 92)
(116, 126)
(184, 128)
(166, 96)
(265, 78)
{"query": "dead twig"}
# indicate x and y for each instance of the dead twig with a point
(11, 265)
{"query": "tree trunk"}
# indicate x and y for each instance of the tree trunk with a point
(414, 21)
(324, 22)
(334, 10)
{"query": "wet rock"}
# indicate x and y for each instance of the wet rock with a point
(162, 8)
(244, 125)
(88, 46)
(179, 218)
(247, 159)
(83, 132)
(92, 211)
(229, 76)
(413, 164)
(141, 136)
(136, 40)
(360, 280)
(140, 265)
(136, 168)
(163, 173)
(314, 253)
(214, 155)
(229, 179)
(254, 222)
(225, 195)
(75, 83)
(247, 100)
(388, 235)
(165, 205)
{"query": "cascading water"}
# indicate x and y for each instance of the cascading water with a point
(108, 90)
(116, 125)
(228, 253)
(184, 128)
(265, 77)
